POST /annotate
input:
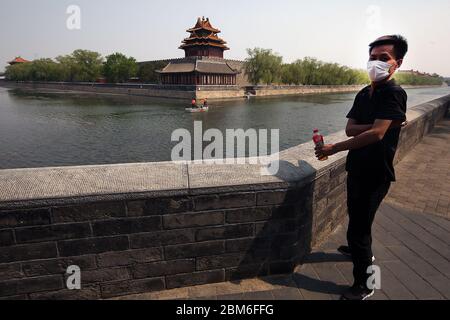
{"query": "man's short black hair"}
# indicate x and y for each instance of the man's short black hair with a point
(400, 44)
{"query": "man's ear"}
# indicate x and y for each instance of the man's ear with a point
(399, 63)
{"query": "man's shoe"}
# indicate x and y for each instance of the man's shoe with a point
(345, 250)
(358, 292)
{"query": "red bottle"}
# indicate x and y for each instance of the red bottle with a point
(318, 141)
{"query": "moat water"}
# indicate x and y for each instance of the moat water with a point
(54, 129)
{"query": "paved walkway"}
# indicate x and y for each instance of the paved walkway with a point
(411, 242)
(424, 175)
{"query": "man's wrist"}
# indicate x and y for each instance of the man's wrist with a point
(338, 147)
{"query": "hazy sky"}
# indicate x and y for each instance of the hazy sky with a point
(336, 31)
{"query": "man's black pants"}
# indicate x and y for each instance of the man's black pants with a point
(364, 196)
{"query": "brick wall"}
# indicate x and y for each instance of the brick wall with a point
(127, 247)
(153, 243)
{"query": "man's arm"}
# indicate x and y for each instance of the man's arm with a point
(354, 129)
(373, 135)
(391, 115)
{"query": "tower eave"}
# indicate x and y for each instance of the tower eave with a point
(203, 28)
(185, 46)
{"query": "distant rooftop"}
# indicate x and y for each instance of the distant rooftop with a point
(18, 60)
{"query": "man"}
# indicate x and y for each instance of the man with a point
(375, 122)
(194, 104)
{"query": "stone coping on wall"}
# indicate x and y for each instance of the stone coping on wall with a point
(34, 187)
(287, 86)
(314, 86)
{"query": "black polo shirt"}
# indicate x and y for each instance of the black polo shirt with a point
(375, 161)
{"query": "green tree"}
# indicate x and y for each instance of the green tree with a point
(409, 78)
(46, 70)
(287, 73)
(263, 66)
(82, 65)
(19, 72)
(147, 71)
(119, 68)
(310, 71)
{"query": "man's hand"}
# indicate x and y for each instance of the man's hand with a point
(325, 151)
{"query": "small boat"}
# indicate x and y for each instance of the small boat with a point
(194, 110)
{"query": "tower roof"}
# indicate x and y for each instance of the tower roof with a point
(203, 24)
(205, 35)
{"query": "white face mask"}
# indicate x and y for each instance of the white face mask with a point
(378, 70)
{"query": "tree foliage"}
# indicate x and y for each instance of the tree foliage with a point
(82, 65)
(310, 71)
(119, 68)
(147, 71)
(418, 79)
(18, 72)
(263, 66)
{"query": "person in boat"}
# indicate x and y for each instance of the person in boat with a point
(205, 103)
(194, 104)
